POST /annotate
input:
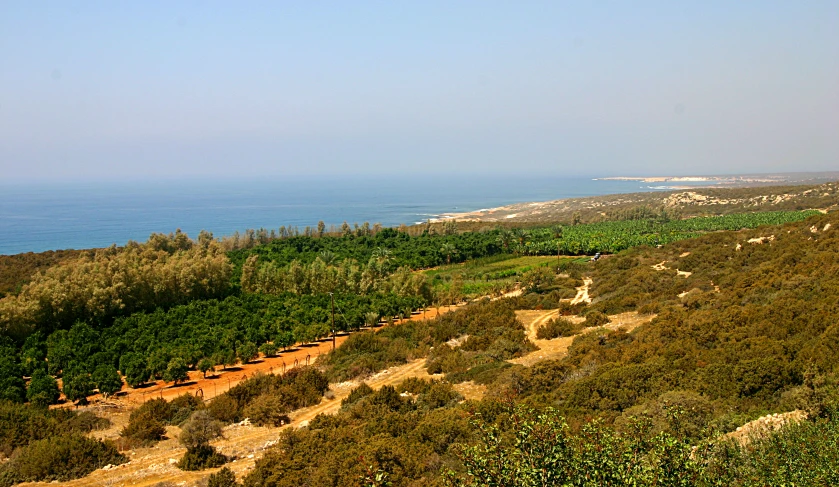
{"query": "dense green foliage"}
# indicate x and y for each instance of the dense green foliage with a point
(22, 424)
(558, 327)
(742, 329)
(418, 252)
(614, 236)
(146, 424)
(44, 444)
(401, 433)
(494, 334)
(537, 448)
(63, 457)
(267, 399)
(17, 270)
(96, 287)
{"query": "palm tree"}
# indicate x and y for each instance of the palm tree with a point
(371, 318)
(448, 250)
(328, 257)
(521, 237)
(505, 237)
(557, 230)
(383, 255)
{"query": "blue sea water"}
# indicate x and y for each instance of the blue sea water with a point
(39, 217)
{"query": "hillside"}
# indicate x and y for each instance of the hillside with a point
(685, 202)
(671, 347)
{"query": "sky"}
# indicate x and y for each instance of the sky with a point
(184, 89)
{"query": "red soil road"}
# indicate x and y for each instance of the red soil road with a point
(220, 381)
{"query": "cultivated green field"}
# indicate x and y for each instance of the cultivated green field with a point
(489, 275)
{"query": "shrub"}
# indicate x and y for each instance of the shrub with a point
(222, 478)
(181, 407)
(557, 327)
(596, 318)
(267, 409)
(142, 430)
(59, 458)
(224, 408)
(199, 430)
(21, 424)
(201, 457)
(357, 394)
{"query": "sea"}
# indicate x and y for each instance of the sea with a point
(36, 217)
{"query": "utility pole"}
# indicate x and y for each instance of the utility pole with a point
(332, 296)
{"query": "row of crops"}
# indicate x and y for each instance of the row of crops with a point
(613, 237)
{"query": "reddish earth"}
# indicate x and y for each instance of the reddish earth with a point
(220, 381)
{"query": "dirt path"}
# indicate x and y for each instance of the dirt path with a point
(764, 426)
(149, 466)
(247, 443)
(582, 292)
(391, 376)
(558, 347)
(220, 381)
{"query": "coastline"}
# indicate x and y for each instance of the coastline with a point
(710, 194)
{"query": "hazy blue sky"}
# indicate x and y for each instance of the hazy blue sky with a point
(171, 89)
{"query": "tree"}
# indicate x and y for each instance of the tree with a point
(176, 371)
(222, 478)
(448, 250)
(196, 435)
(268, 349)
(59, 351)
(450, 227)
(371, 318)
(556, 231)
(205, 238)
(328, 257)
(205, 365)
(107, 379)
(521, 237)
(225, 357)
(248, 352)
(284, 339)
(321, 228)
(199, 430)
(77, 384)
(133, 367)
(505, 238)
(43, 389)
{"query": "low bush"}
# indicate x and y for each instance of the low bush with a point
(596, 318)
(357, 394)
(299, 387)
(200, 458)
(267, 409)
(58, 458)
(558, 327)
(146, 424)
(21, 424)
(142, 430)
(222, 478)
